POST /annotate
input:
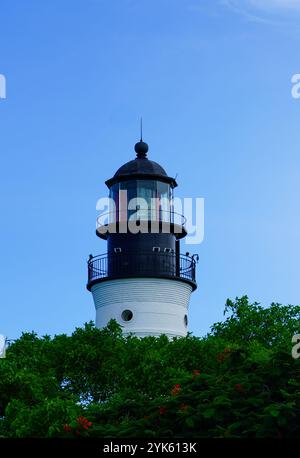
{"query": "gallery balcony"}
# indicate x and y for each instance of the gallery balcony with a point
(150, 264)
(151, 221)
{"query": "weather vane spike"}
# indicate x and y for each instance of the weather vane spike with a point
(141, 129)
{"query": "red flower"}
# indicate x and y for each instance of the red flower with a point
(176, 389)
(183, 406)
(220, 357)
(196, 373)
(83, 422)
(239, 387)
(162, 410)
(67, 428)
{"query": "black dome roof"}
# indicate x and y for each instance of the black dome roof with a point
(141, 167)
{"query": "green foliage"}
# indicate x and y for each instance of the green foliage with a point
(270, 326)
(238, 381)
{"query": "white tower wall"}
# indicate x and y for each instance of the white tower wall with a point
(158, 306)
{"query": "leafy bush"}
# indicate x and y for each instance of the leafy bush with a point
(238, 381)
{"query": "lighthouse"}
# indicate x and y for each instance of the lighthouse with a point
(143, 281)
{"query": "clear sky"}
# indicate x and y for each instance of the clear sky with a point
(212, 80)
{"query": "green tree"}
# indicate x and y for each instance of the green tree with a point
(238, 381)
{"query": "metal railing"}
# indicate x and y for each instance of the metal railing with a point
(151, 264)
(140, 214)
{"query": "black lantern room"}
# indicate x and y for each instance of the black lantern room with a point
(142, 230)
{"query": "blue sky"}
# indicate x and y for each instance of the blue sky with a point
(212, 80)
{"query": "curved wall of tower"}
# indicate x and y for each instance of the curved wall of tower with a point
(144, 306)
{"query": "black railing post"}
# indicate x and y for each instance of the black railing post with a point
(177, 254)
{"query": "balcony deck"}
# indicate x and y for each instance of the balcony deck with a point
(168, 222)
(152, 264)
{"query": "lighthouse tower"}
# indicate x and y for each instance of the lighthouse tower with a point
(143, 281)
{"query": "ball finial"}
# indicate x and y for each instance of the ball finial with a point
(141, 149)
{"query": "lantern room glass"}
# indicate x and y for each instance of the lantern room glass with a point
(142, 199)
